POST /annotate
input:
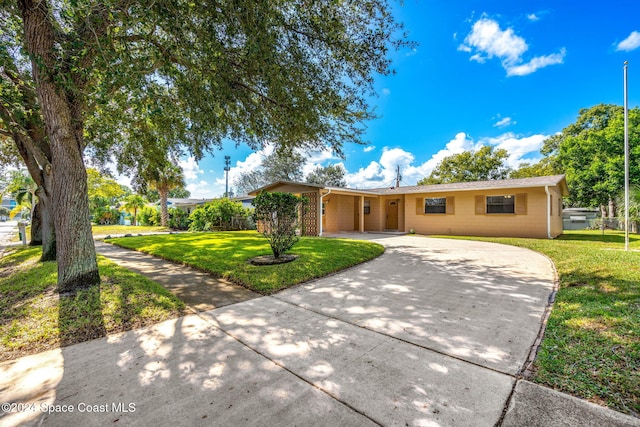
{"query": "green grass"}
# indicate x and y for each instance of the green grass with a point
(105, 230)
(226, 254)
(591, 347)
(35, 318)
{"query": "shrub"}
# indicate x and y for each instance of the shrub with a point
(106, 216)
(149, 216)
(220, 214)
(178, 219)
(278, 218)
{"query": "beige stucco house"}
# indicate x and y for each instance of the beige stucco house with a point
(527, 207)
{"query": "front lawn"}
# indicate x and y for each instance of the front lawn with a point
(591, 346)
(105, 230)
(35, 318)
(226, 254)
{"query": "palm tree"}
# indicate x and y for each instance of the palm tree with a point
(163, 179)
(132, 203)
(23, 188)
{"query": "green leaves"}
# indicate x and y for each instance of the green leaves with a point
(277, 217)
(485, 164)
(591, 154)
(217, 215)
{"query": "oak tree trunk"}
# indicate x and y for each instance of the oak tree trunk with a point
(47, 219)
(36, 225)
(77, 265)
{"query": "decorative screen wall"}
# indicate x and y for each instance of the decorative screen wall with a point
(310, 215)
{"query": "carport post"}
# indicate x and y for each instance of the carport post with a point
(361, 215)
(320, 209)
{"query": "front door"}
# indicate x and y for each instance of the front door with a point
(392, 215)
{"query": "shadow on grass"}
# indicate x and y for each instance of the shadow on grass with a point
(80, 316)
(591, 349)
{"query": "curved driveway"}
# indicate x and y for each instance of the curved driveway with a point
(477, 301)
(431, 333)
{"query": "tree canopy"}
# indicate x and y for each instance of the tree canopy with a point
(132, 78)
(281, 165)
(331, 176)
(590, 152)
(484, 164)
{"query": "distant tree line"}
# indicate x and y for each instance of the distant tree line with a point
(590, 152)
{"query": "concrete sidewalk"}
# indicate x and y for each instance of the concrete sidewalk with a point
(200, 291)
(432, 333)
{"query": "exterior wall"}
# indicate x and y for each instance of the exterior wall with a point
(463, 219)
(345, 213)
(556, 211)
(339, 213)
(372, 219)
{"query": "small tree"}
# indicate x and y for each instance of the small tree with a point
(278, 219)
(133, 203)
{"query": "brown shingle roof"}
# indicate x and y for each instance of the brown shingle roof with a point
(541, 181)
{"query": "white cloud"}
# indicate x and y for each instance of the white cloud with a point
(487, 40)
(317, 158)
(251, 163)
(630, 43)
(383, 172)
(518, 147)
(386, 91)
(460, 143)
(369, 148)
(502, 123)
(536, 63)
(190, 168)
(533, 17)
(202, 190)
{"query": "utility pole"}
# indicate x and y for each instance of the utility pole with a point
(626, 161)
(398, 176)
(227, 168)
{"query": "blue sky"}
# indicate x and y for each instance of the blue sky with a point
(503, 73)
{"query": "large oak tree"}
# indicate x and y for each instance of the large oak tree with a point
(23, 139)
(290, 72)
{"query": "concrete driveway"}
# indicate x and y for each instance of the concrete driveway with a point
(431, 333)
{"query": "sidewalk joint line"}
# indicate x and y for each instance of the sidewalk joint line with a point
(397, 338)
(326, 392)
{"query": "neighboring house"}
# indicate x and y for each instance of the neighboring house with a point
(579, 218)
(8, 203)
(187, 205)
(527, 207)
(245, 200)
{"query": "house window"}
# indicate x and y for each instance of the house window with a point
(501, 204)
(436, 205)
(367, 207)
(323, 203)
